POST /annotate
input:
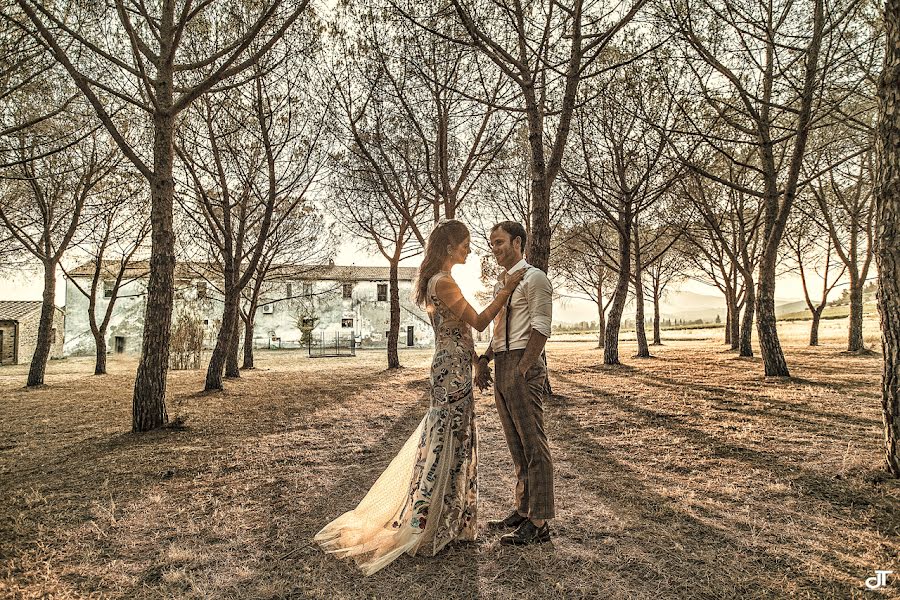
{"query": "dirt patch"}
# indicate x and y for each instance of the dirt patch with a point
(686, 476)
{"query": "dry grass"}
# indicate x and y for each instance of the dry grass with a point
(684, 476)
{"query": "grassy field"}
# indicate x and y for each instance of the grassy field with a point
(688, 475)
(870, 311)
(794, 332)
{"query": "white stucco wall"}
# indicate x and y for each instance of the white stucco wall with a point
(127, 319)
(326, 304)
(370, 316)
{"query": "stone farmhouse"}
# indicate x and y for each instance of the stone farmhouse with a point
(19, 322)
(297, 302)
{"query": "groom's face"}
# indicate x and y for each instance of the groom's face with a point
(506, 250)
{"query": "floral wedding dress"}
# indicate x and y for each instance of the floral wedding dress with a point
(428, 494)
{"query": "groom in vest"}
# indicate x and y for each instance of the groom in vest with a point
(520, 332)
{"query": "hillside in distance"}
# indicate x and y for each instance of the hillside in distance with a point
(681, 305)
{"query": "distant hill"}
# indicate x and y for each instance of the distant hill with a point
(842, 311)
(692, 306)
(682, 305)
(790, 307)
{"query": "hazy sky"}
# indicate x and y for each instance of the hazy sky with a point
(29, 286)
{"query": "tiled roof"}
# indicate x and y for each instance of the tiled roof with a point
(341, 273)
(190, 270)
(13, 310)
(139, 268)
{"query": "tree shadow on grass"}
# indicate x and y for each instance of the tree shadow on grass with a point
(758, 566)
(746, 359)
(600, 368)
(731, 399)
(846, 387)
(82, 464)
(667, 548)
(838, 492)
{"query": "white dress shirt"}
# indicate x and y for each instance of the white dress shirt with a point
(531, 306)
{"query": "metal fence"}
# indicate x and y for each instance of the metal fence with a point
(332, 344)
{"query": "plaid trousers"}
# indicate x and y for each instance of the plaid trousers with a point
(520, 404)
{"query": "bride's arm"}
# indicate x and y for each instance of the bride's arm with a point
(449, 293)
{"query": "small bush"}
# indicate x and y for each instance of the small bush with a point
(186, 343)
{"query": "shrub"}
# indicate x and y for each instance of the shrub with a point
(186, 343)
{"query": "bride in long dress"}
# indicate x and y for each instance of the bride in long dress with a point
(428, 495)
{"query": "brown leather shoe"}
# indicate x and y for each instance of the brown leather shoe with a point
(527, 533)
(513, 520)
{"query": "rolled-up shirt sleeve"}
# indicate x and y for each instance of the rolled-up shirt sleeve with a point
(540, 302)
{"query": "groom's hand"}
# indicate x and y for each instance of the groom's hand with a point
(483, 379)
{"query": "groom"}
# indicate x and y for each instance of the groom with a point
(519, 334)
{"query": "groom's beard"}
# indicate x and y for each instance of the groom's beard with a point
(507, 264)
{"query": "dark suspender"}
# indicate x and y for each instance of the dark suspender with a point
(508, 311)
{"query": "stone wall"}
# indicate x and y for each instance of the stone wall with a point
(28, 332)
(8, 342)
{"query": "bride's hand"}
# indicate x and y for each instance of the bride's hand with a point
(483, 379)
(512, 280)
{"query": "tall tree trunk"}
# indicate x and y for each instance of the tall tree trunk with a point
(640, 329)
(220, 352)
(769, 345)
(149, 402)
(99, 333)
(393, 356)
(814, 328)
(248, 341)
(887, 250)
(729, 318)
(639, 323)
(657, 337)
(614, 321)
(855, 333)
(736, 329)
(232, 369)
(736, 322)
(45, 328)
(100, 345)
(601, 321)
(538, 251)
(774, 364)
(776, 215)
(746, 346)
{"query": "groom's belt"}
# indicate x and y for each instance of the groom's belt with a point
(499, 352)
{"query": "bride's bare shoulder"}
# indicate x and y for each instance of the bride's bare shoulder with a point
(444, 283)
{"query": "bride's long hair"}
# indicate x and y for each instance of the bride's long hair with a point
(449, 232)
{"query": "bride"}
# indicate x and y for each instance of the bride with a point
(428, 495)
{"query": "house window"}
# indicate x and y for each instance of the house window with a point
(382, 292)
(309, 322)
(201, 290)
(348, 290)
(289, 289)
(307, 289)
(108, 288)
(346, 323)
(53, 334)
